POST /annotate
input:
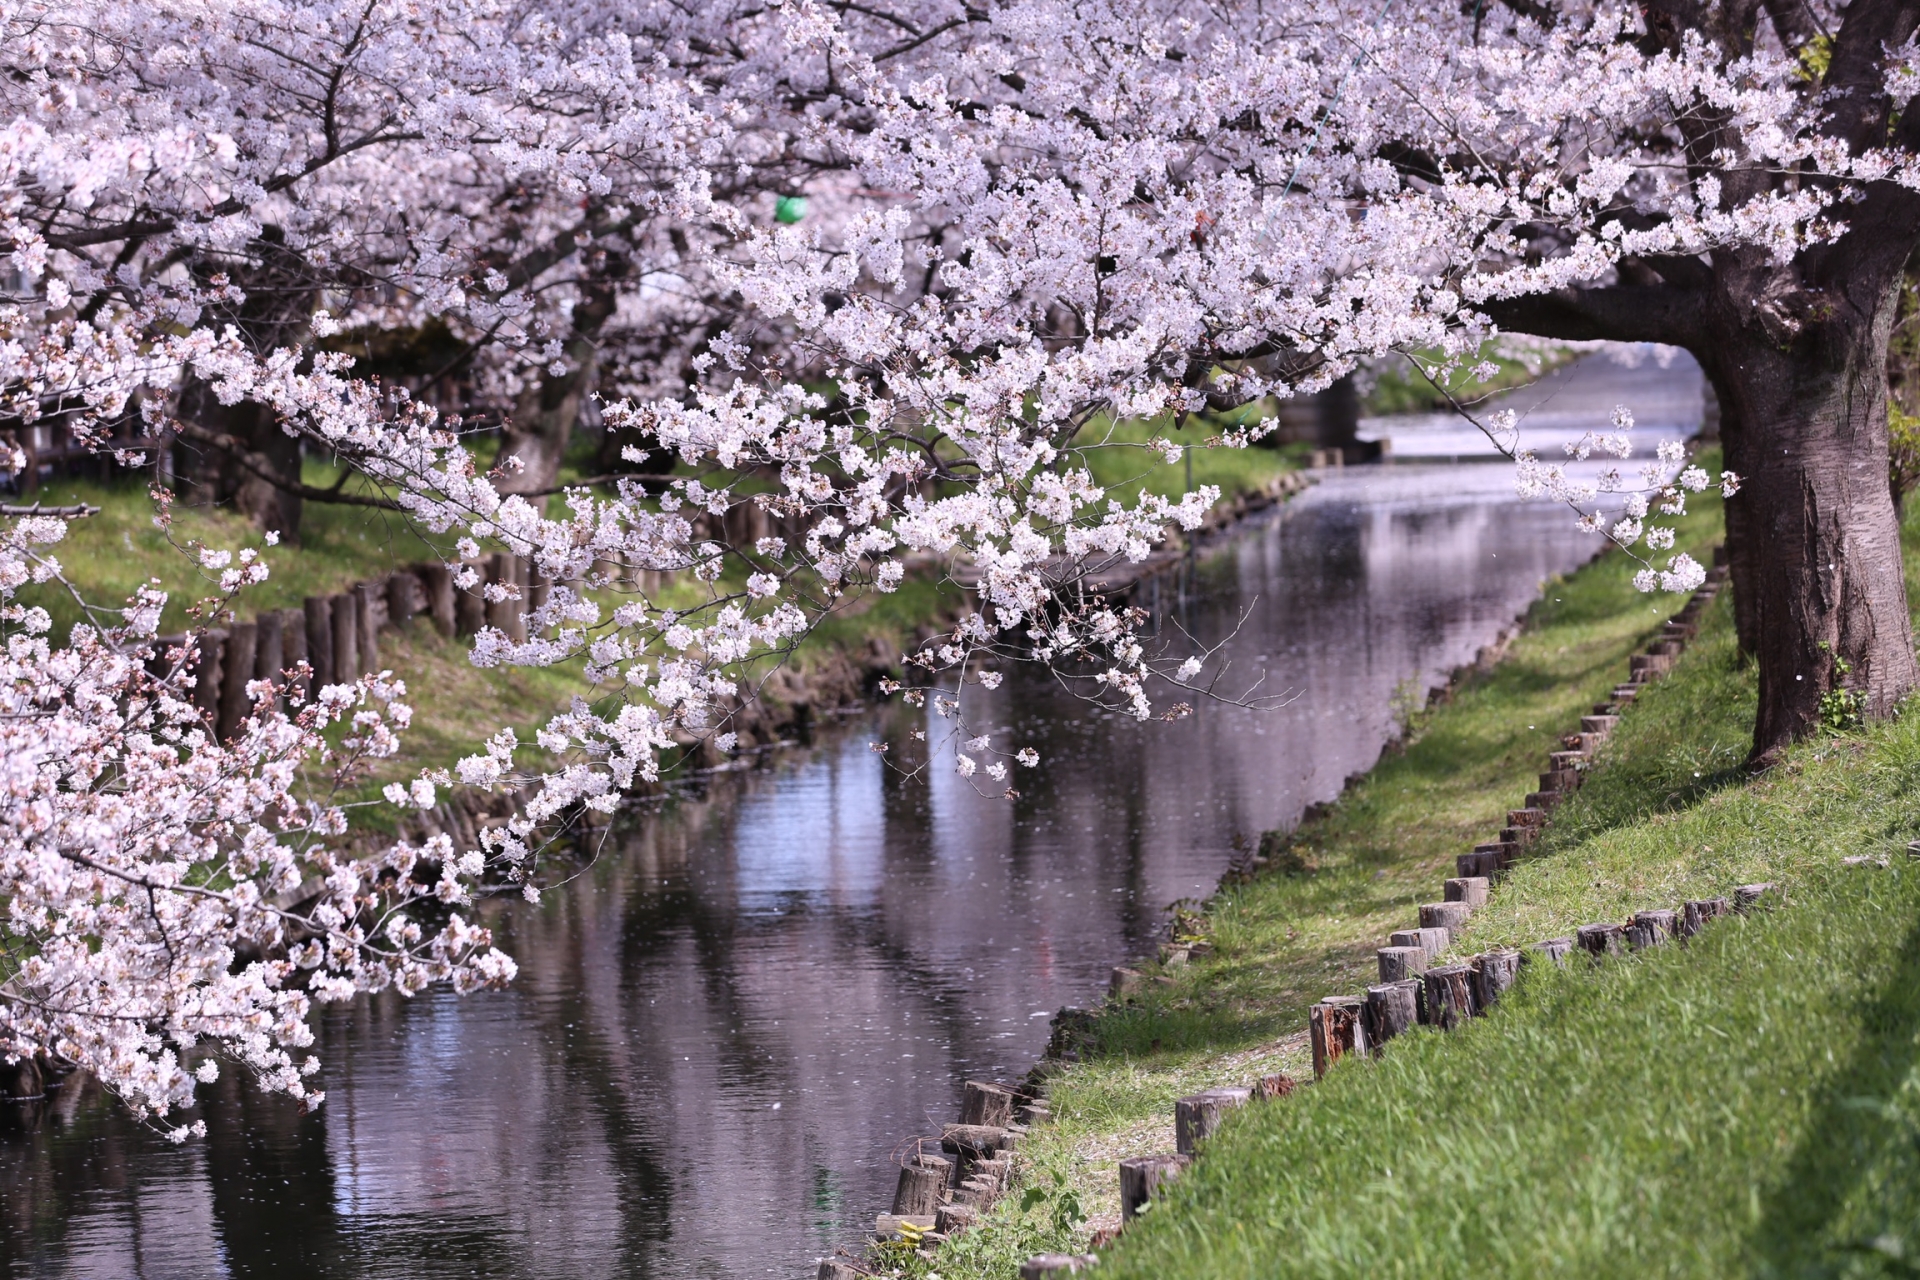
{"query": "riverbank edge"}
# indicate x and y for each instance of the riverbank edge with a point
(835, 676)
(1063, 1156)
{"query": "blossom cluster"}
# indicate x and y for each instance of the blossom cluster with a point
(172, 900)
(396, 226)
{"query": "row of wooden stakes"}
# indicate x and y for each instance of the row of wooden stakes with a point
(1413, 991)
(338, 636)
(943, 1192)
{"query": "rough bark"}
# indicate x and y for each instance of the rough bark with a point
(986, 1104)
(921, 1188)
(1449, 992)
(1392, 1008)
(319, 617)
(1337, 1027)
(1796, 352)
(1493, 973)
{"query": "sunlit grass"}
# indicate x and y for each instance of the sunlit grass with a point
(1284, 942)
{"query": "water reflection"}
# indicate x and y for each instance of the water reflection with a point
(724, 1027)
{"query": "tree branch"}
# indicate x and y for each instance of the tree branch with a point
(262, 467)
(1614, 313)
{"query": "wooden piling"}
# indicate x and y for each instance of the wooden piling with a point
(1449, 990)
(403, 597)
(1747, 895)
(1397, 964)
(1195, 1118)
(470, 605)
(1337, 1027)
(1432, 941)
(1471, 890)
(207, 673)
(1695, 915)
(1493, 973)
(1451, 916)
(1650, 929)
(436, 581)
(372, 601)
(235, 706)
(1554, 949)
(1601, 939)
(293, 650)
(921, 1188)
(1393, 1008)
(344, 609)
(319, 618)
(990, 1105)
(1141, 1177)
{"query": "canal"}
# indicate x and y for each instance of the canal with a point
(727, 1024)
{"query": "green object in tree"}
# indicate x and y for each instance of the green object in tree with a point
(789, 208)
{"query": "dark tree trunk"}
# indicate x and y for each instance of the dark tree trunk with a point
(1740, 541)
(215, 476)
(546, 412)
(1816, 550)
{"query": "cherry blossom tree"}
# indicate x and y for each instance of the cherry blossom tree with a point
(172, 901)
(429, 239)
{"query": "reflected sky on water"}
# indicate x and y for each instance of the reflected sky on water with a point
(725, 1027)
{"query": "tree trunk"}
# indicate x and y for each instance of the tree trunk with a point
(213, 476)
(1817, 551)
(546, 412)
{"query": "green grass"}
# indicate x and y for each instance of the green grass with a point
(115, 551)
(1120, 462)
(1748, 1104)
(1283, 942)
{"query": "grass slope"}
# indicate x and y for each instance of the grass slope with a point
(1746, 1105)
(1283, 942)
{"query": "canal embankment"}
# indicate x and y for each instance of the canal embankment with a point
(1669, 815)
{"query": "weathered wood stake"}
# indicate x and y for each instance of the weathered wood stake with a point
(1392, 1009)
(1471, 890)
(1554, 949)
(344, 609)
(319, 615)
(1141, 1177)
(206, 675)
(1432, 941)
(1451, 916)
(235, 705)
(1449, 995)
(1695, 915)
(1493, 973)
(1195, 1118)
(293, 647)
(1397, 964)
(986, 1104)
(1601, 939)
(1337, 1027)
(921, 1188)
(1650, 929)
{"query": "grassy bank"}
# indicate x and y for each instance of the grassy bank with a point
(1746, 1105)
(457, 705)
(1286, 940)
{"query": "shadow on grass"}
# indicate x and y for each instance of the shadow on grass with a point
(1861, 1145)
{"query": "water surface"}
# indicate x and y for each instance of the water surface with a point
(726, 1026)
